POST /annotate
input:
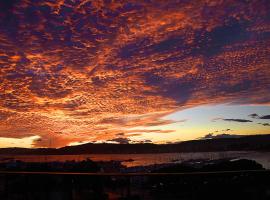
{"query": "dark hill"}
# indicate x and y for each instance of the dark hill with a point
(245, 143)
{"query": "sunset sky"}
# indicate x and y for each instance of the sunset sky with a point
(77, 71)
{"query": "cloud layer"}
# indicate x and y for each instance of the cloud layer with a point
(89, 70)
(256, 116)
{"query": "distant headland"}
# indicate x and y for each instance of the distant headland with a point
(245, 143)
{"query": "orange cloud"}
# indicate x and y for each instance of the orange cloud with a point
(93, 69)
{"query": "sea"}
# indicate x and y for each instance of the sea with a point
(132, 160)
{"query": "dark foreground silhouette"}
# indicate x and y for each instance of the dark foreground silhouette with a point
(215, 179)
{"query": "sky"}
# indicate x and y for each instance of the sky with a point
(77, 71)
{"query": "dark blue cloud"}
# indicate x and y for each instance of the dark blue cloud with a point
(237, 120)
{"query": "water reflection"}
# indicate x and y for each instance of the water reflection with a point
(132, 160)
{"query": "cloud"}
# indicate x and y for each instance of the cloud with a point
(224, 135)
(147, 141)
(256, 116)
(120, 140)
(265, 117)
(163, 122)
(230, 120)
(108, 66)
(216, 119)
(225, 130)
(143, 120)
(150, 131)
(120, 134)
(237, 120)
(264, 124)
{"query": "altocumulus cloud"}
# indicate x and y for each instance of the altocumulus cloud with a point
(85, 71)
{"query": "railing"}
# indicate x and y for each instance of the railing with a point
(135, 173)
(29, 185)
